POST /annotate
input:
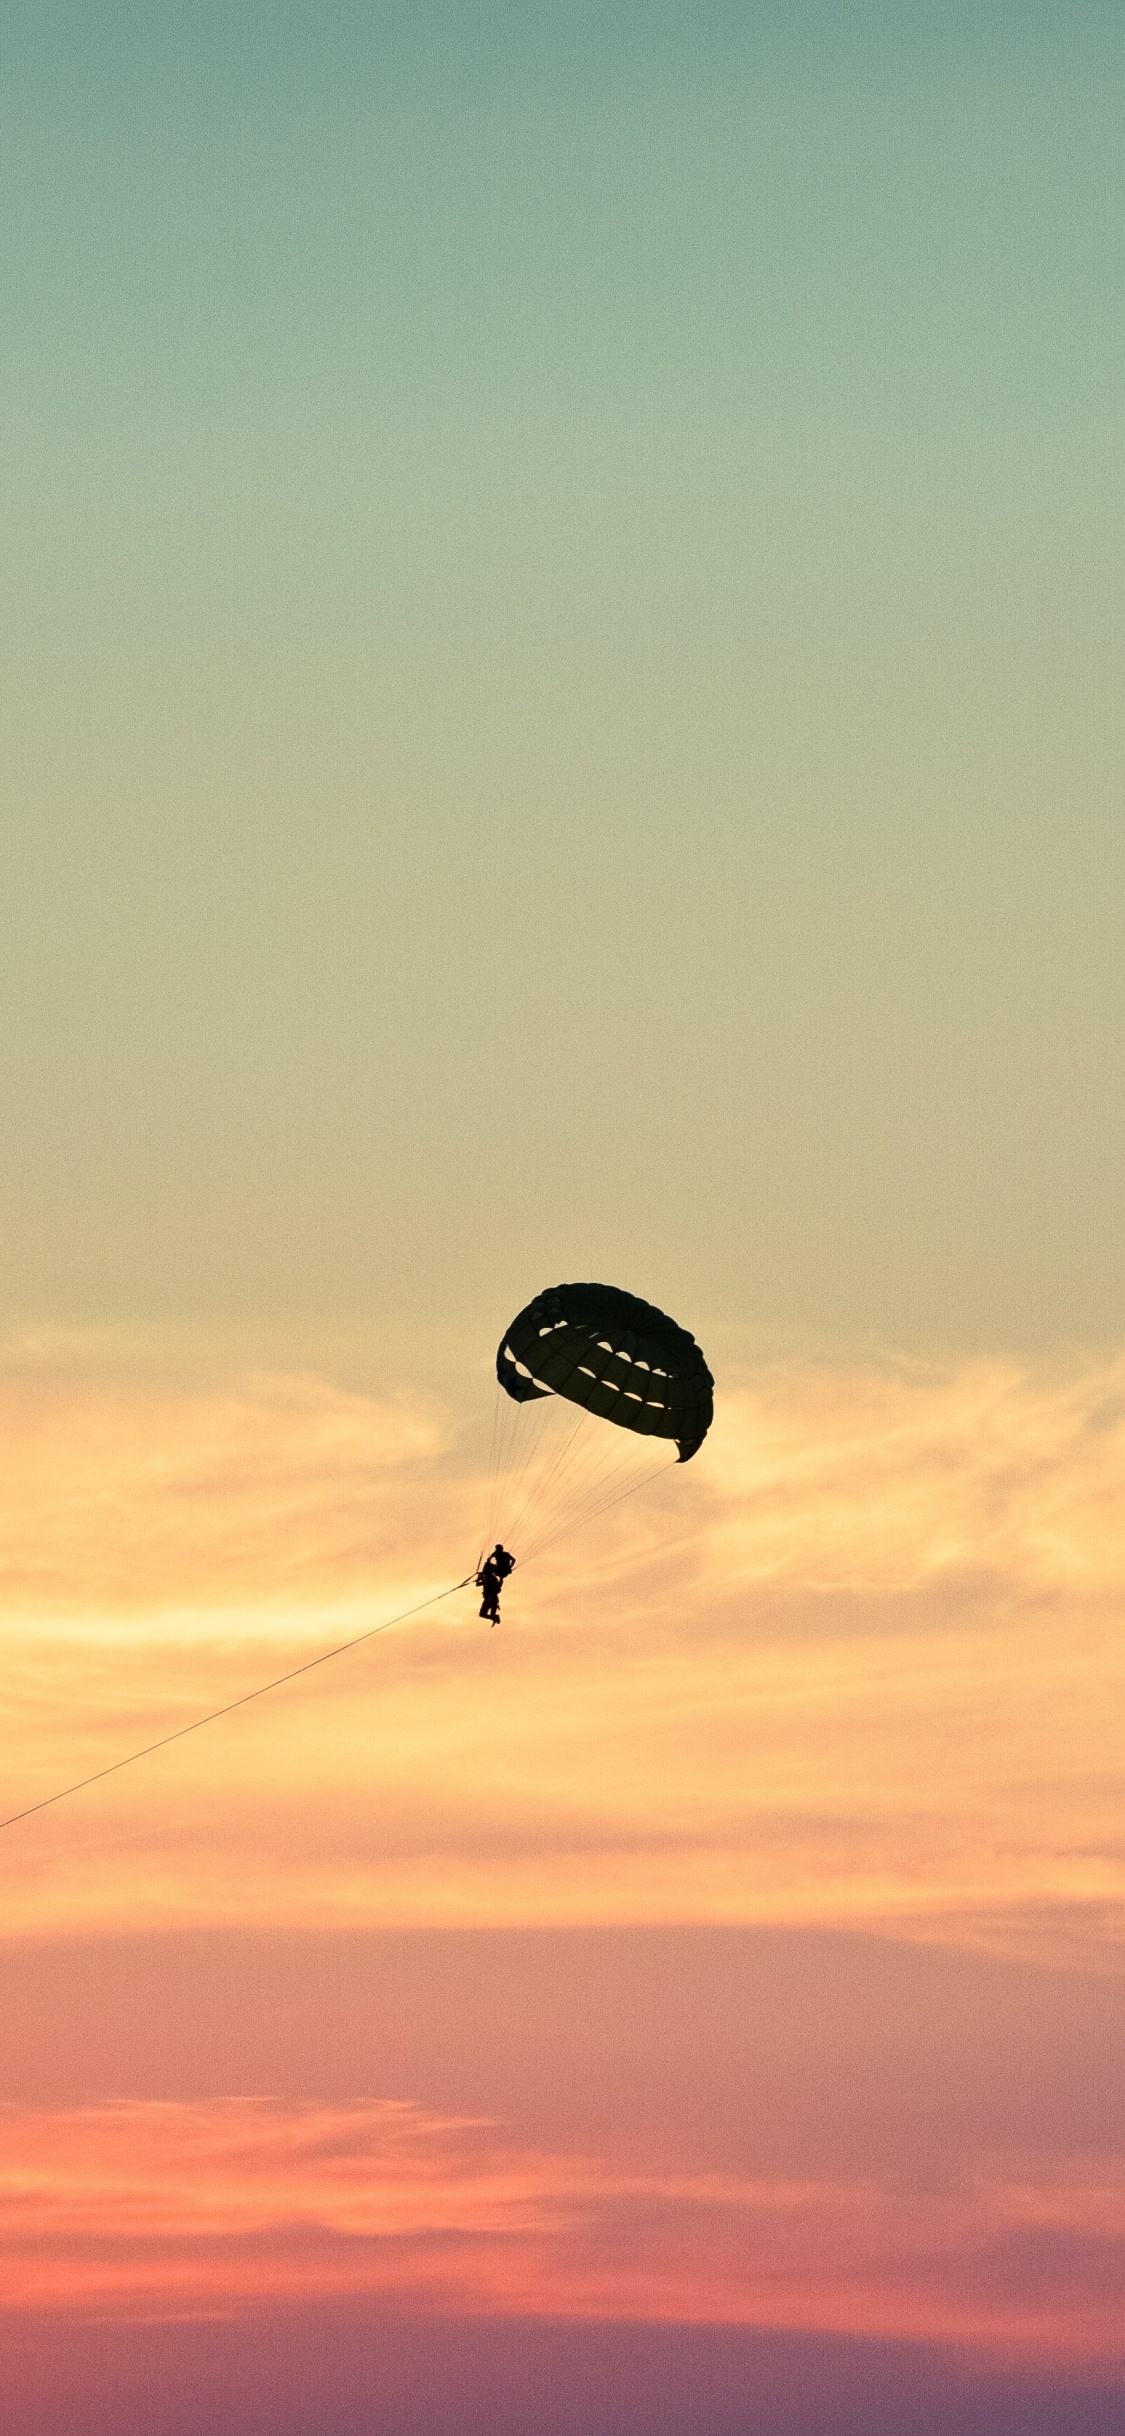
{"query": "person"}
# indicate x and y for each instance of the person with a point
(491, 1579)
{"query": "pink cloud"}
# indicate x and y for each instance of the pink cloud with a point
(149, 2210)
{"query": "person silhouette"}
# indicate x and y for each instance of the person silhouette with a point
(491, 1579)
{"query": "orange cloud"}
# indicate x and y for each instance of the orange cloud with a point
(122, 1496)
(125, 1493)
(890, 1480)
(861, 1661)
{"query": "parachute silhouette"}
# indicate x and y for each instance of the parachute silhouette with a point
(617, 1359)
(614, 1355)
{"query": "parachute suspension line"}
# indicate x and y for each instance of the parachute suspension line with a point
(604, 1488)
(574, 1522)
(491, 1464)
(609, 1462)
(499, 1419)
(576, 1484)
(552, 1470)
(500, 1423)
(561, 1443)
(244, 1698)
(569, 1469)
(518, 1434)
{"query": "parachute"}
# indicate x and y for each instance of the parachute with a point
(589, 1354)
(614, 1355)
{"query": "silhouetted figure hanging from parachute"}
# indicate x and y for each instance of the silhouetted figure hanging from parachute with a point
(491, 1579)
(617, 1359)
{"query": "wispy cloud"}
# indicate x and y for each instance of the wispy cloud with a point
(890, 1480)
(861, 1661)
(121, 1497)
(129, 1493)
(140, 2210)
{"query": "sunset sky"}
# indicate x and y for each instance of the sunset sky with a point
(562, 640)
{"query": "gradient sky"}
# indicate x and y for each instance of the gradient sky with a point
(561, 717)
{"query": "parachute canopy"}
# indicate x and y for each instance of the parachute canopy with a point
(614, 1355)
